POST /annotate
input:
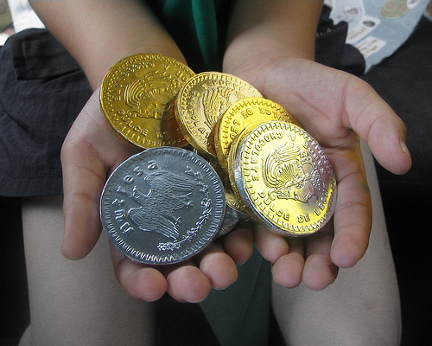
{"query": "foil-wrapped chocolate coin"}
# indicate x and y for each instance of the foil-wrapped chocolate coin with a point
(137, 97)
(232, 218)
(284, 178)
(202, 100)
(241, 114)
(162, 206)
(231, 163)
(232, 200)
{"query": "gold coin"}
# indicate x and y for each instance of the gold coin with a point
(285, 179)
(137, 97)
(233, 173)
(236, 203)
(245, 112)
(231, 199)
(202, 100)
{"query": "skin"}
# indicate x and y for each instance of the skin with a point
(337, 109)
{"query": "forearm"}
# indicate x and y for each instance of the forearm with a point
(267, 29)
(99, 33)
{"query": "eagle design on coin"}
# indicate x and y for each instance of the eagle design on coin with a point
(166, 193)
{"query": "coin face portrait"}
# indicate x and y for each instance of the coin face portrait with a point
(290, 173)
(162, 206)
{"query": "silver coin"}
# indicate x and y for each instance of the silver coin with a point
(162, 206)
(232, 218)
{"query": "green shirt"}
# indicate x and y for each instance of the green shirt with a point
(198, 27)
(240, 314)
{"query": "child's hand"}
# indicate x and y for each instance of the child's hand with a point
(336, 109)
(90, 153)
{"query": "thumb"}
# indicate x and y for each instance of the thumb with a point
(376, 122)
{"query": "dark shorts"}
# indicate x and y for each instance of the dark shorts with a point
(42, 90)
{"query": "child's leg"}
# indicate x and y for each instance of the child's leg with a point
(362, 307)
(76, 302)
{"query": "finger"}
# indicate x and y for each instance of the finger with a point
(353, 211)
(218, 267)
(286, 254)
(83, 180)
(287, 270)
(139, 281)
(239, 243)
(374, 120)
(187, 283)
(271, 246)
(90, 151)
(319, 270)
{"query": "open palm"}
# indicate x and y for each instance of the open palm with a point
(337, 109)
(90, 152)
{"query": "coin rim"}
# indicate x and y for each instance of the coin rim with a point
(232, 114)
(114, 68)
(256, 214)
(181, 111)
(219, 198)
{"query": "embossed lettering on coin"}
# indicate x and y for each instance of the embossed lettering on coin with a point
(285, 178)
(162, 206)
(245, 112)
(137, 97)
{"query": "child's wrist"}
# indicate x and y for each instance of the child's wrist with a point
(244, 63)
(251, 51)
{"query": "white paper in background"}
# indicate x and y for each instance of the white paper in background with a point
(370, 45)
(377, 27)
(362, 29)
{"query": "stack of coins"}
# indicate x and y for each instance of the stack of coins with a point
(283, 177)
(216, 151)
